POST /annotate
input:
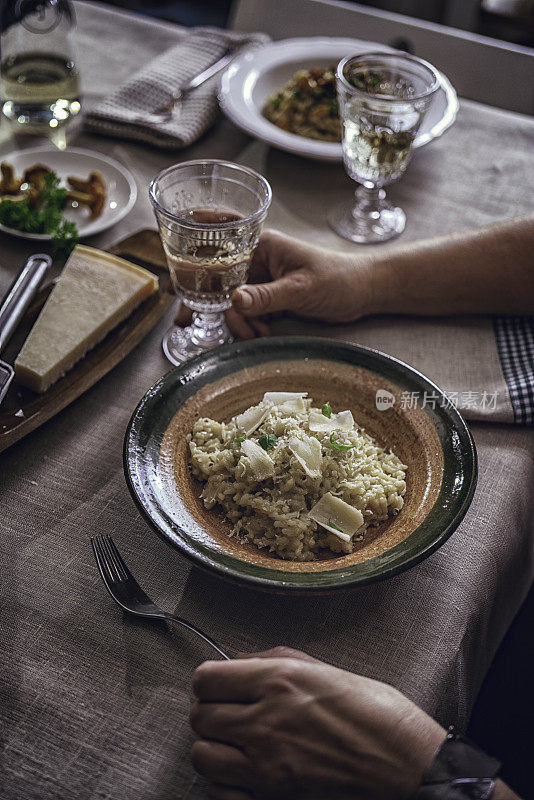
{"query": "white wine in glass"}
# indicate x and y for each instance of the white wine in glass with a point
(383, 98)
(210, 214)
(39, 79)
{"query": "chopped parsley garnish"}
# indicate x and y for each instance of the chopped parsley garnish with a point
(357, 81)
(374, 78)
(338, 446)
(43, 216)
(365, 80)
(65, 238)
(333, 525)
(327, 410)
(239, 439)
(268, 441)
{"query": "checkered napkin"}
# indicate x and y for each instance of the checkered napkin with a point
(515, 342)
(152, 87)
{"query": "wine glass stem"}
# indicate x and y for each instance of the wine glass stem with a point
(207, 328)
(368, 201)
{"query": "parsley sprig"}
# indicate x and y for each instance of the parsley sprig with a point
(338, 446)
(268, 441)
(46, 216)
(367, 81)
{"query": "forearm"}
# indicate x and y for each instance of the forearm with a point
(484, 271)
(503, 792)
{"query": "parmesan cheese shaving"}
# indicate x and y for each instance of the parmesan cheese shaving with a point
(290, 407)
(261, 464)
(333, 513)
(282, 397)
(344, 421)
(308, 453)
(318, 423)
(252, 418)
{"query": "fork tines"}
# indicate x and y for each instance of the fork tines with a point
(109, 559)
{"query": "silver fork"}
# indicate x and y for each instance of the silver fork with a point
(127, 593)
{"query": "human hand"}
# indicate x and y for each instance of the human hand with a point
(289, 275)
(280, 724)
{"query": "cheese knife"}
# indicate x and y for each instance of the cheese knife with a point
(15, 304)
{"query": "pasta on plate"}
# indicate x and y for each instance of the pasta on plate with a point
(296, 479)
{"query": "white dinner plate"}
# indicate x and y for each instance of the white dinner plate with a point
(253, 76)
(120, 184)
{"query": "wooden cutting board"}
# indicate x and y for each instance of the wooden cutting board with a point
(23, 410)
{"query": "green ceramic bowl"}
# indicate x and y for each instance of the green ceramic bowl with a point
(394, 403)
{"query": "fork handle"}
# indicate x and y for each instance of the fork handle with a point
(164, 112)
(190, 627)
(211, 70)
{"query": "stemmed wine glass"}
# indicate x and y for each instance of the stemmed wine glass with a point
(210, 214)
(383, 98)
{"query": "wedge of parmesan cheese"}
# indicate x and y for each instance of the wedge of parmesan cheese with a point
(337, 516)
(308, 453)
(317, 422)
(95, 292)
(261, 464)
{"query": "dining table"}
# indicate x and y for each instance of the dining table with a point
(95, 704)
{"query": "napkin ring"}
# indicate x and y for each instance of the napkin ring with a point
(460, 771)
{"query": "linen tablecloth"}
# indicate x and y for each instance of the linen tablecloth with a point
(93, 705)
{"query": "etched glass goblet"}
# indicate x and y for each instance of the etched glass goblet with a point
(210, 214)
(383, 98)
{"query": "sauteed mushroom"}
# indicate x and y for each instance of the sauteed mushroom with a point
(9, 184)
(90, 193)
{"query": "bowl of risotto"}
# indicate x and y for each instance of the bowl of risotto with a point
(295, 464)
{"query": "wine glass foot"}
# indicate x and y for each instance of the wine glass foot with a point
(183, 344)
(368, 225)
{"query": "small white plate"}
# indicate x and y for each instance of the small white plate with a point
(253, 76)
(120, 184)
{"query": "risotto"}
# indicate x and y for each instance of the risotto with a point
(307, 105)
(296, 479)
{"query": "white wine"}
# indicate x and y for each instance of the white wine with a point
(377, 154)
(383, 98)
(206, 266)
(39, 90)
(378, 131)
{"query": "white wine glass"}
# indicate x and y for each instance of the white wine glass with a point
(39, 80)
(383, 98)
(210, 214)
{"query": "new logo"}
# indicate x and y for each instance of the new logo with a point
(384, 400)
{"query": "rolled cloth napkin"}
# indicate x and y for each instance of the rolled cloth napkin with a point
(153, 86)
